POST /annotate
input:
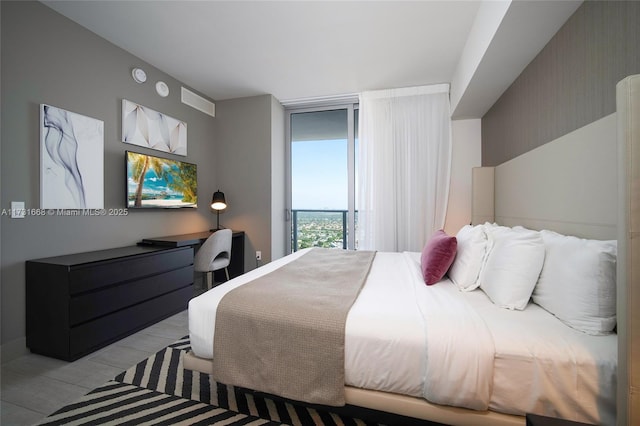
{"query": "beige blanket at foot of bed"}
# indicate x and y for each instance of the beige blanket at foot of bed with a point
(283, 333)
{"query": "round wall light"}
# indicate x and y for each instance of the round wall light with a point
(162, 89)
(139, 75)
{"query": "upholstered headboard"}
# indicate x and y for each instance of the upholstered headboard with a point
(586, 183)
(628, 271)
(568, 185)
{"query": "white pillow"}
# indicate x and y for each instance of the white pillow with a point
(514, 261)
(465, 270)
(578, 282)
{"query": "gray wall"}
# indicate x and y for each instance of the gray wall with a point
(569, 84)
(47, 58)
(278, 181)
(245, 129)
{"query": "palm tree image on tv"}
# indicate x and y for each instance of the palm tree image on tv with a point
(160, 182)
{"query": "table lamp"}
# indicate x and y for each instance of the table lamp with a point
(218, 203)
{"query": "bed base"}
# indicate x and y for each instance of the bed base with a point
(399, 404)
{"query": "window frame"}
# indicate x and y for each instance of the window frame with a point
(351, 108)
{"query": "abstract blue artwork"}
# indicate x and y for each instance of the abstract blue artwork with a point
(71, 160)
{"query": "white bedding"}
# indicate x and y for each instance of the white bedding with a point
(528, 361)
(388, 328)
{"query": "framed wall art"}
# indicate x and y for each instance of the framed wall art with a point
(71, 160)
(145, 127)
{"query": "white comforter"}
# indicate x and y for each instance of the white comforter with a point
(509, 361)
(387, 331)
(406, 337)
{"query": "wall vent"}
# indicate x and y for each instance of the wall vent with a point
(198, 102)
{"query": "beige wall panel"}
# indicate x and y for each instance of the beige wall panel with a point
(573, 193)
(482, 203)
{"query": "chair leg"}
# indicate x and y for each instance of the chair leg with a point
(226, 271)
(209, 274)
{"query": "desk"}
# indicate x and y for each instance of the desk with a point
(236, 267)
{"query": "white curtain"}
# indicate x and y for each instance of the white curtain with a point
(404, 166)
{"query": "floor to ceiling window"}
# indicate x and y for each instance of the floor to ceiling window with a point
(322, 147)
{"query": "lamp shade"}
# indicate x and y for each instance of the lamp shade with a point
(218, 202)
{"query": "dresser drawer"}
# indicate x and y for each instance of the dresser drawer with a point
(89, 336)
(93, 276)
(80, 302)
(92, 305)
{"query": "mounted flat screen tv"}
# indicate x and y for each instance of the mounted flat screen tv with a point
(155, 182)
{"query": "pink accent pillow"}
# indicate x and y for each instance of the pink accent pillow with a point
(437, 256)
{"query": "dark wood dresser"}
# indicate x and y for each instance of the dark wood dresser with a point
(81, 302)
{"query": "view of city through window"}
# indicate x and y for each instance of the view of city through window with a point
(317, 228)
(319, 179)
(319, 194)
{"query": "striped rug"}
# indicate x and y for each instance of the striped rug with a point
(159, 391)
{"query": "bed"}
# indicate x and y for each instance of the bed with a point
(571, 373)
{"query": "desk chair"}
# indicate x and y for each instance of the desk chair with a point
(214, 254)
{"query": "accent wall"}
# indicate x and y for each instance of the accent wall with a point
(47, 58)
(572, 81)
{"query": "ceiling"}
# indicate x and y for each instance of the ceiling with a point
(307, 49)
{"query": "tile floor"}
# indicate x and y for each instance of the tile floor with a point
(33, 386)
